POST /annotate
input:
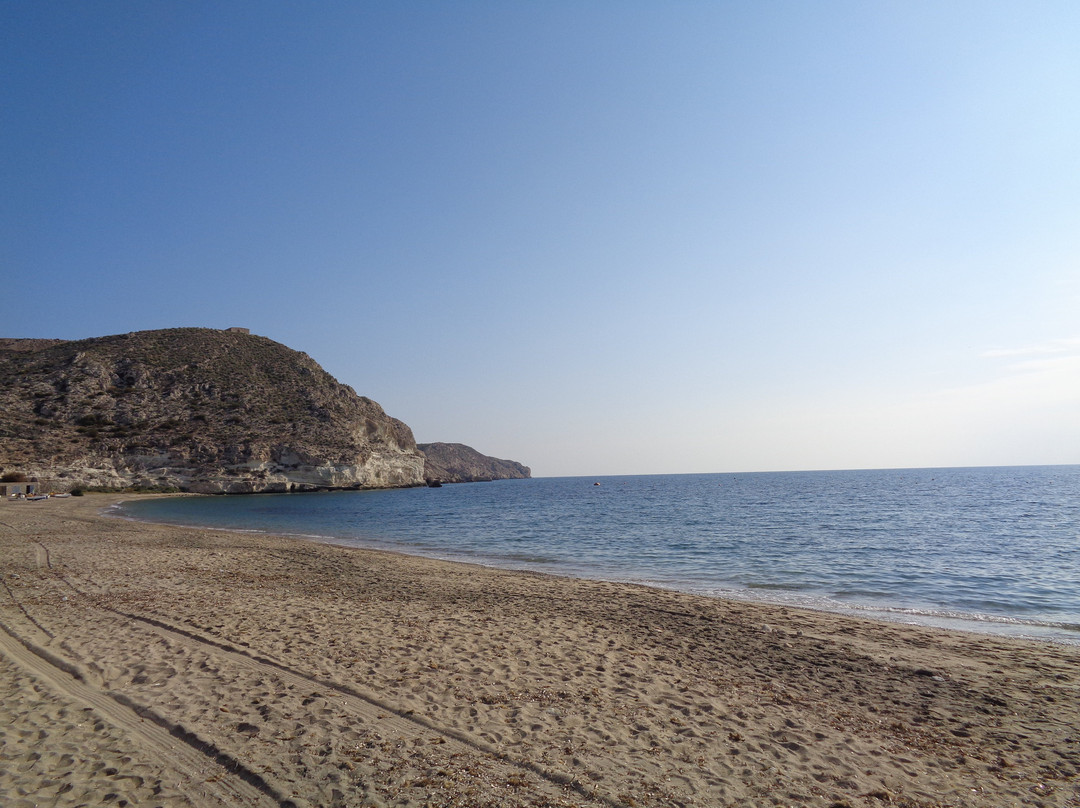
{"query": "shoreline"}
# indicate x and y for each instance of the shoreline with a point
(179, 666)
(987, 624)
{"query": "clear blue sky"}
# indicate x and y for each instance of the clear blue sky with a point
(595, 237)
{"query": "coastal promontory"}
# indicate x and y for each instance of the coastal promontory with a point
(192, 409)
(458, 463)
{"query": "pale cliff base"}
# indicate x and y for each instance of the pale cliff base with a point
(380, 470)
(152, 665)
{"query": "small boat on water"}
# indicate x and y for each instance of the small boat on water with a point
(59, 496)
(37, 497)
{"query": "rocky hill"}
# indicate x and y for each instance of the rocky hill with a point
(458, 463)
(193, 409)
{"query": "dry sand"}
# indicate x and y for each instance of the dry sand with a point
(153, 665)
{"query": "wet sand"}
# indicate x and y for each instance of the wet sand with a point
(154, 665)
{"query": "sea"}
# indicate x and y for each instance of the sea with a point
(992, 550)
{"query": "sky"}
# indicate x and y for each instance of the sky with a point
(594, 237)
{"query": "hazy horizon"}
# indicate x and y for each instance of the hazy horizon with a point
(595, 238)
(798, 471)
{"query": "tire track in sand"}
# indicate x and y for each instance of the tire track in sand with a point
(365, 705)
(209, 775)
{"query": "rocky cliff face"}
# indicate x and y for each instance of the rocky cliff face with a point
(192, 409)
(458, 463)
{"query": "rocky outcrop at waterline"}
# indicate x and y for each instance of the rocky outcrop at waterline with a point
(458, 463)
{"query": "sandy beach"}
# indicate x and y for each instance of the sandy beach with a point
(161, 666)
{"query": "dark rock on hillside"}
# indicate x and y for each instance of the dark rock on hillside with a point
(193, 409)
(458, 463)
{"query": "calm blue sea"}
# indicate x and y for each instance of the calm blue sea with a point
(986, 549)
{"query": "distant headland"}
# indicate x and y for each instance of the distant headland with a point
(204, 411)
